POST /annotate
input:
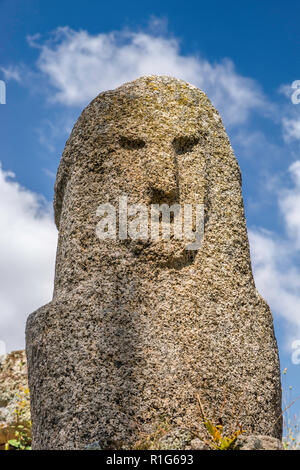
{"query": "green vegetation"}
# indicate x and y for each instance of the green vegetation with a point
(291, 430)
(151, 442)
(217, 439)
(19, 433)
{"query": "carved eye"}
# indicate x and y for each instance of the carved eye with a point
(184, 143)
(132, 144)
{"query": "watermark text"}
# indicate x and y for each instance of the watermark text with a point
(2, 92)
(154, 222)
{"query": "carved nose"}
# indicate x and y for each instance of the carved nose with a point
(163, 178)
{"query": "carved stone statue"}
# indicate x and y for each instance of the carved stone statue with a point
(138, 328)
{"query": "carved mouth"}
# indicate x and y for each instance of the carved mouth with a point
(170, 254)
(158, 196)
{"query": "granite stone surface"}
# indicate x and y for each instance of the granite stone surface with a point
(137, 328)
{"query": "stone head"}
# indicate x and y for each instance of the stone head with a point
(152, 140)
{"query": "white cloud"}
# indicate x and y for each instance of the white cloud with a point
(28, 239)
(276, 276)
(291, 128)
(286, 89)
(290, 205)
(80, 65)
(276, 261)
(12, 72)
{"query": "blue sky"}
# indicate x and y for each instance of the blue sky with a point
(56, 56)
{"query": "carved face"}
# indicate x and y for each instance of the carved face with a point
(146, 140)
(166, 191)
(161, 159)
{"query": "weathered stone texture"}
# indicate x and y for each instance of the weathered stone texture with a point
(137, 328)
(258, 443)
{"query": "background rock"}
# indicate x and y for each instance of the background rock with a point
(13, 375)
(175, 440)
(258, 443)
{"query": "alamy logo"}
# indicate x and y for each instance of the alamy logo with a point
(296, 95)
(180, 222)
(2, 92)
(296, 353)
